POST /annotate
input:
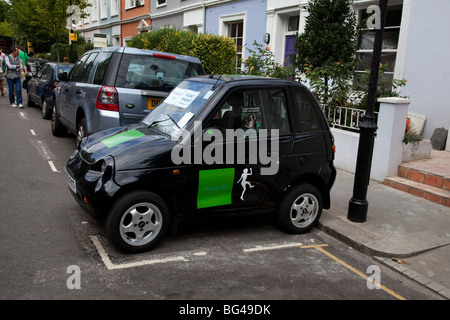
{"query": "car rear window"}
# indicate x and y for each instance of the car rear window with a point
(148, 72)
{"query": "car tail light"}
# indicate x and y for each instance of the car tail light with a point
(107, 99)
(54, 85)
(164, 56)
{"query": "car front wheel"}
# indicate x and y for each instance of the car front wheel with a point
(46, 111)
(137, 221)
(57, 128)
(300, 209)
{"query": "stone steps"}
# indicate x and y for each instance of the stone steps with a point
(427, 178)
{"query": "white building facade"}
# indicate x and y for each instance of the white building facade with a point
(415, 46)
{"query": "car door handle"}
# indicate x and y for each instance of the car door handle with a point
(78, 91)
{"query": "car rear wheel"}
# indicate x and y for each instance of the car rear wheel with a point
(81, 130)
(300, 209)
(137, 221)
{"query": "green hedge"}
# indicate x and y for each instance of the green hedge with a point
(216, 53)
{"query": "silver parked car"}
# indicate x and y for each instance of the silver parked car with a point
(115, 86)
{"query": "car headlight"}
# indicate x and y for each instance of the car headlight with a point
(102, 168)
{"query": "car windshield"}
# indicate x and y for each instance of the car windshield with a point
(176, 111)
(151, 73)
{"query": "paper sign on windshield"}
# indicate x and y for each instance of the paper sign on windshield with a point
(181, 98)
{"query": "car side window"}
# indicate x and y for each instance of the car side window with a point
(47, 73)
(254, 109)
(39, 74)
(86, 69)
(103, 62)
(77, 68)
(307, 111)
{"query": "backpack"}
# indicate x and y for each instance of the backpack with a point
(4, 65)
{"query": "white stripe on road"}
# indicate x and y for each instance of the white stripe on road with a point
(52, 166)
(111, 266)
(274, 247)
(32, 132)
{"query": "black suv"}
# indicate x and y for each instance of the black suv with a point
(217, 144)
(115, 86)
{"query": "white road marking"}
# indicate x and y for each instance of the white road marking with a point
(52, 166)
(23, 115)
(111, 266)
(274, 247)
(43, 149)
(32, 132)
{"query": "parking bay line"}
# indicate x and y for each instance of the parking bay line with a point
(111, 266)
(320, 248)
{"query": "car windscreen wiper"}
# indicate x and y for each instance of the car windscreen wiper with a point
(158, 121)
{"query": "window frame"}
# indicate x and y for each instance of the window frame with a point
(384, 51)
(321, 121)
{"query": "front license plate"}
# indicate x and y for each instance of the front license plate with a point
(153, 102)
(71, 182)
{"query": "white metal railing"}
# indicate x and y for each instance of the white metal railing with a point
(344, 117)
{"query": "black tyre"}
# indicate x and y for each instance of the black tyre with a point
(137, 221)
(58, 129)
(30, 102)
(46, 110)
(300, 209)
(81, 130)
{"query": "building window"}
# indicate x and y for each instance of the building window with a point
(103, 10)
(161, 3)
(390, 44)
(293, 23)
(236, 32)
(130, 4)
(94, 10)
(114, 7)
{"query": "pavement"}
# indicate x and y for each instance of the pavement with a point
(405, 232)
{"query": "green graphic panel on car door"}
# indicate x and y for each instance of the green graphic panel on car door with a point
(214, 187)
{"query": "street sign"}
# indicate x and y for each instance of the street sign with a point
(100, 40)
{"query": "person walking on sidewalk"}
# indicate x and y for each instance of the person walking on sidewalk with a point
(2, 74)
(14, 66)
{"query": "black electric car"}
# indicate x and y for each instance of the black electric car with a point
(216, 144)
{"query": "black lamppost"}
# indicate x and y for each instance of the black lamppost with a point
(358, 205)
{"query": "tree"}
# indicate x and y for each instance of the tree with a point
(325, 51)
(42, 20)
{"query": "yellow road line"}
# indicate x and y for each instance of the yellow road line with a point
(319, 247)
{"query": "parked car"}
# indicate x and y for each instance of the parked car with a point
(115, 86)
(180, 161)
(41, 86)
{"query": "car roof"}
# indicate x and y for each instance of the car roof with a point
(60, 64)
(131, 50)
(237, 78)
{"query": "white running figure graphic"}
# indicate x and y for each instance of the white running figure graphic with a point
(244, 182)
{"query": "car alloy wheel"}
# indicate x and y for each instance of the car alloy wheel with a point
(81, 131)
(57, 128)
(300, 209)
(137, 221)
(46, 112)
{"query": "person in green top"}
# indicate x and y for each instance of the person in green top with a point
(24, 57)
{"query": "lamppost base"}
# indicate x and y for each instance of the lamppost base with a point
(357, 210)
